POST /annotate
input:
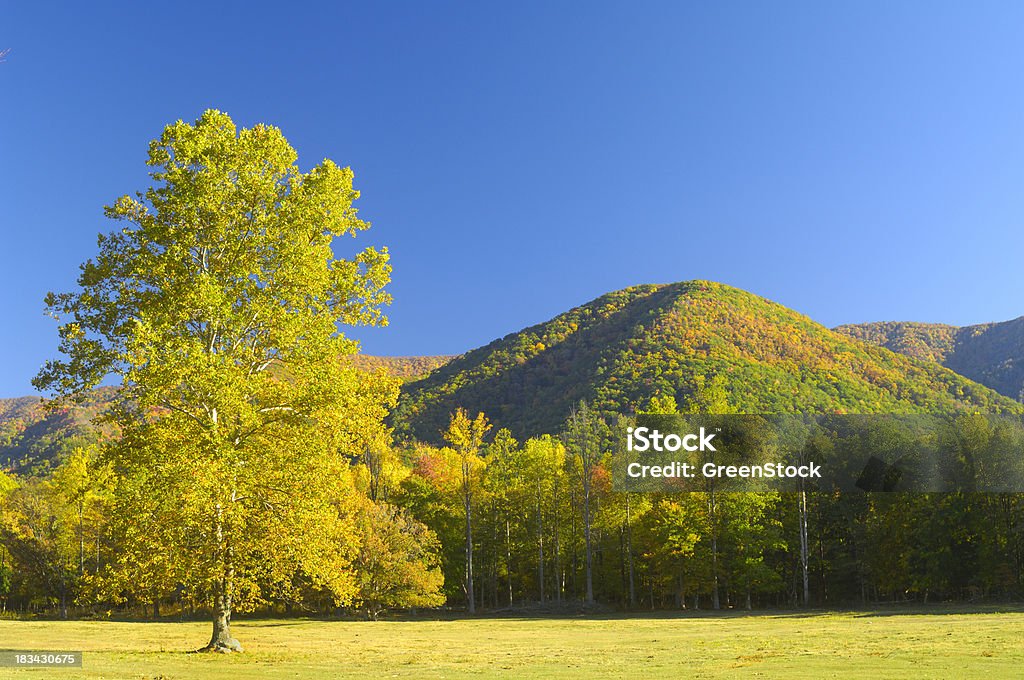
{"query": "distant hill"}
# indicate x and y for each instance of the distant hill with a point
(991, 354)
(32, 438)
(406, 368)
(625, 347)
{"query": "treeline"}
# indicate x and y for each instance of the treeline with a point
(547, 526)
(490, 523)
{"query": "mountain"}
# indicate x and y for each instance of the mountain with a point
(33, 438)
(991, 354)
(625, 347)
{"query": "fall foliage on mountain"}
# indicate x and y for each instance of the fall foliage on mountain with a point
(404, 368)
(625, 347)
(990, 353)
(622, 349)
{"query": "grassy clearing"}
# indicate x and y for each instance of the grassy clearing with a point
(945, 643)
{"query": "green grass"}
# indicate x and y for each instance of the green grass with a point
(946, 643)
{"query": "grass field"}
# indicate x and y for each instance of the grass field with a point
(947, 643)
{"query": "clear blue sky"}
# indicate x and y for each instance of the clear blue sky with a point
(855, 161)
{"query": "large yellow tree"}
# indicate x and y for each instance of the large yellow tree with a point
(218, 304)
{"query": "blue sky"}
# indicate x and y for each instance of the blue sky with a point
(854, 161)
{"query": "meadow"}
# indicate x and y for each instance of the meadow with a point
(933, 643)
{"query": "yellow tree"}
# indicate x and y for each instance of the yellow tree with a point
(466, 437)
(218, 303)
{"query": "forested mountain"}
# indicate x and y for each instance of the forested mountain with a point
(33, 438)
(991, 354)
(623, 348)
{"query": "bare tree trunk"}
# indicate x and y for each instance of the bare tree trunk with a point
(468, 506)
(629, 556)
(81, 538)
(803, 544)
(559, 577)
(508, 557)
(713, 507)
(540, 543)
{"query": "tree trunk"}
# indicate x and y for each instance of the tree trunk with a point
(803, 545)
(81, 538)
(470, 592)
(508, 558)
(629, 557)
(559, 576)
(540, 543)
(589, 551)
(587, 481)
(221, 640)
(715, 600)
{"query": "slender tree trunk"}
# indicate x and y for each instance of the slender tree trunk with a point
(590, 554)
(81, 539)
(587, 465)
(803, 545)
(63, 598)
(495, 559)
(713, 507)
(573, 541)
(508, 557)
(629, 556)
(821, 557)
(468, 503)
(559, 577)
(540, 543)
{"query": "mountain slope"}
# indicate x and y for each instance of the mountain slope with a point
(33, 439)
(991, 354)
(625, 347)
(405, 368)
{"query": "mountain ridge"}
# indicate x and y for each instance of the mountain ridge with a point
(990, 353)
